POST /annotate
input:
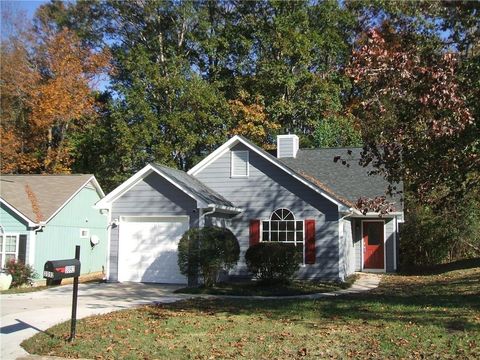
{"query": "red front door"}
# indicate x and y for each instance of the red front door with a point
(373, 248)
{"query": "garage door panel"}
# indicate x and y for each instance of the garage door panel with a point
(148, 250)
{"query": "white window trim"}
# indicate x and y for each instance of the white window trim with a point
(363, 269)
(3, 252)
(232, 164)
(84, 236)
(295, 241)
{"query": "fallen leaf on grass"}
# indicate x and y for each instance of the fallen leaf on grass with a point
(302, 352)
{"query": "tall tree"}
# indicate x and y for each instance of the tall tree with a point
(46, 91)
(418, 120)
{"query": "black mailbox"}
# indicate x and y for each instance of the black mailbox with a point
(61, 269)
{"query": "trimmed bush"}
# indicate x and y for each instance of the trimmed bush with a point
(21, 274)
(206, 251)
(273, 262)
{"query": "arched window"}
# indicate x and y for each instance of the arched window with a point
(282, 226)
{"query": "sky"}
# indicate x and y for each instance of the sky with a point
(28, 6)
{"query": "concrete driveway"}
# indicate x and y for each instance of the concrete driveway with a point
(24, 315)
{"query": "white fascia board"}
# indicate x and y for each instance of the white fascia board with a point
(97, 186)
(90, 179)
(376, 214)
(105, 203)
(29, 222)
(348, 210)
(237, 139)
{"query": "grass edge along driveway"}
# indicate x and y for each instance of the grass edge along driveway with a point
(428, 316)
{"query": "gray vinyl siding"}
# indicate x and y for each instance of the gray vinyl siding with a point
(266, 189)
(389, 245)
(347, 265)
(153, 196)
(357, 243)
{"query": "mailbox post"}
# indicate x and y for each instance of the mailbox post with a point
(62, 269)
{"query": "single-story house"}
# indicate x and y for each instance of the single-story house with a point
(298, 196)
(43, 217)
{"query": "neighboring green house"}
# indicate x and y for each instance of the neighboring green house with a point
(43, 217)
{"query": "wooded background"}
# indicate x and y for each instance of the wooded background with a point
(105, 87)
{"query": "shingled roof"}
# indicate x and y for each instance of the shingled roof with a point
(38, 197)
(349, 183)
(194, 186)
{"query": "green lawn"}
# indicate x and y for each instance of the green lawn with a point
(429, 316)
(259, 289)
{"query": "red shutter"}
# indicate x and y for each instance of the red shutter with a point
(254, 232)
(309, 241)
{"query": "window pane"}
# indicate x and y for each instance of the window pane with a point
(290, 225)
(274, 236)
(265, 236)
(11, 244)
(276, 215)
(283, 225)
(299, 225)
(274, 225)
(290, 236)
(299, 236)
(266, 225)
(9, 257)
(1, 245)
(288, 215)
(282, 236)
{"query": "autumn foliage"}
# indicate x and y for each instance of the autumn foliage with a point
(414, 118)
(251, 120)
(46, 93)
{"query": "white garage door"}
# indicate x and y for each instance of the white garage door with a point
(148, 249)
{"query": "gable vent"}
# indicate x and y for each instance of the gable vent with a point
(287, 146)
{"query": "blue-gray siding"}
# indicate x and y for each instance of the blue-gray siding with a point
(266, 189)
(153, 196)
(347, 249)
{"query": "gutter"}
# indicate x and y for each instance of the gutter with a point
(223, 209)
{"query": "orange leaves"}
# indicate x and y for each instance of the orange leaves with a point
(34, 202)
(64, 94)
(46, 93)
(252, 121)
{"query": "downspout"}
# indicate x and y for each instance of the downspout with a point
(346, 215)
(32, 242)
(202, 216)
(39, 227)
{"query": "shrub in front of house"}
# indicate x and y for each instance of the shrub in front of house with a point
(21, 274)
(273, 262)
(206, 251)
